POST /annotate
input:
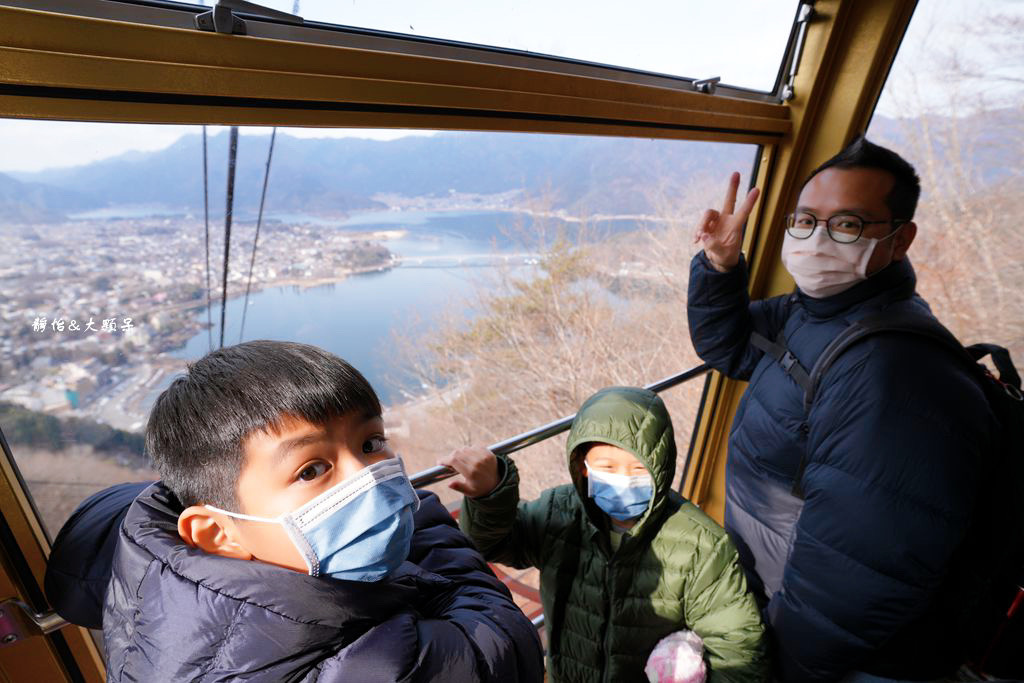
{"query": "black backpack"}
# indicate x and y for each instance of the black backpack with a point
(999, 631)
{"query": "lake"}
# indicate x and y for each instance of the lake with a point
(362, 318)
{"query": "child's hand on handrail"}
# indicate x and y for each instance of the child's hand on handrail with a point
(478, 470)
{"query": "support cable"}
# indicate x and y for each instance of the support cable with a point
(256, 238)
(232, 159)
(206, 224)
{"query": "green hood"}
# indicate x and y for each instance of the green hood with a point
(632, 419)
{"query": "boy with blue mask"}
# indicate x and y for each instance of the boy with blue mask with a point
(624, 560)
(285, 542)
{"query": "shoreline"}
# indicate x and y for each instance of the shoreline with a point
(143, 374)
(560, 214)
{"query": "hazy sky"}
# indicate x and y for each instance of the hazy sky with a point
(671, 36)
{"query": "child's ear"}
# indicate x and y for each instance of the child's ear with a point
(204, 529)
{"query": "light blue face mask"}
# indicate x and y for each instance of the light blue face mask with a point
(619, 496)
(359, 529)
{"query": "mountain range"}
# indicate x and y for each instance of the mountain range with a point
(583, 175)
(32, 202)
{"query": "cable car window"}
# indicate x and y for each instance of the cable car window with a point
(679, 39)
(485, 283)
(952, 106)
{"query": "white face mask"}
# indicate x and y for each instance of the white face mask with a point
(823, 267)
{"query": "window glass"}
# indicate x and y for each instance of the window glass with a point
(954, 106)
(690, 39)
(484, 283)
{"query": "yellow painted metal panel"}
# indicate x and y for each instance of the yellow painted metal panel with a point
(69, 109)
(175, 66)
(35, 659)
(48, 32)
(706, 483)
(58, 70)
(25, 526)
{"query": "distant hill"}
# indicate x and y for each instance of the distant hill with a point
(989, 141)
(584, 175)
(342, 174)
(22, 202)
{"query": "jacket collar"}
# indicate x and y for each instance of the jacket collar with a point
(894, 282)
(151, 523)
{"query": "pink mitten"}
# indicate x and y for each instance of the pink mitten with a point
(677, 658)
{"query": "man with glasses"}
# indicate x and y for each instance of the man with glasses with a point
(852, 518)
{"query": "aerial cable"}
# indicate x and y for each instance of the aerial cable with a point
(206, 223)
(232, 159)
(259, 221)
(259, 217)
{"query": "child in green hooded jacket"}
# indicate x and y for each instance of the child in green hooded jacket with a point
(624, 560)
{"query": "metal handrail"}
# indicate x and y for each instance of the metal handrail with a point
(437, 473)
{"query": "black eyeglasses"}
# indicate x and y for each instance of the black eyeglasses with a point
(842, 228)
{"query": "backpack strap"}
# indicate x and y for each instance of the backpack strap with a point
(784, 357)
(886, 321)
(1008, 374)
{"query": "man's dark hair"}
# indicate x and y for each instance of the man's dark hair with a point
(862, 153)
(198, 424)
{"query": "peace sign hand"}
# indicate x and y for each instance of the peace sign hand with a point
(721, 232)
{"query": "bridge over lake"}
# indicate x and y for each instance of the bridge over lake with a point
(468, 260)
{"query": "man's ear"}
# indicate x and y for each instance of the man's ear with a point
(903, 239)
(210, 531)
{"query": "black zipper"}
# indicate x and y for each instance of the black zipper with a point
(610, 592)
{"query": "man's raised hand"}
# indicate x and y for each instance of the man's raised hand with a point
(721, 232)
(479, 470)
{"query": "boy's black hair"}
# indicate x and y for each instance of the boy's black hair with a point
(862, 153)
(198, 424)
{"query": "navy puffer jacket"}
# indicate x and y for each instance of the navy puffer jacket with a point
(863, 574)
(175, 613)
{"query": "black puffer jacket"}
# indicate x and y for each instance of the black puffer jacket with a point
(867, 572)
(175, 613)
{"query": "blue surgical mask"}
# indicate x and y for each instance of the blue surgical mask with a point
(620, 497)
(359, 529)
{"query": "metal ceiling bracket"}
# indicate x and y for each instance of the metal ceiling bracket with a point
(222, 17)
(18, 622)
(707, 85)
